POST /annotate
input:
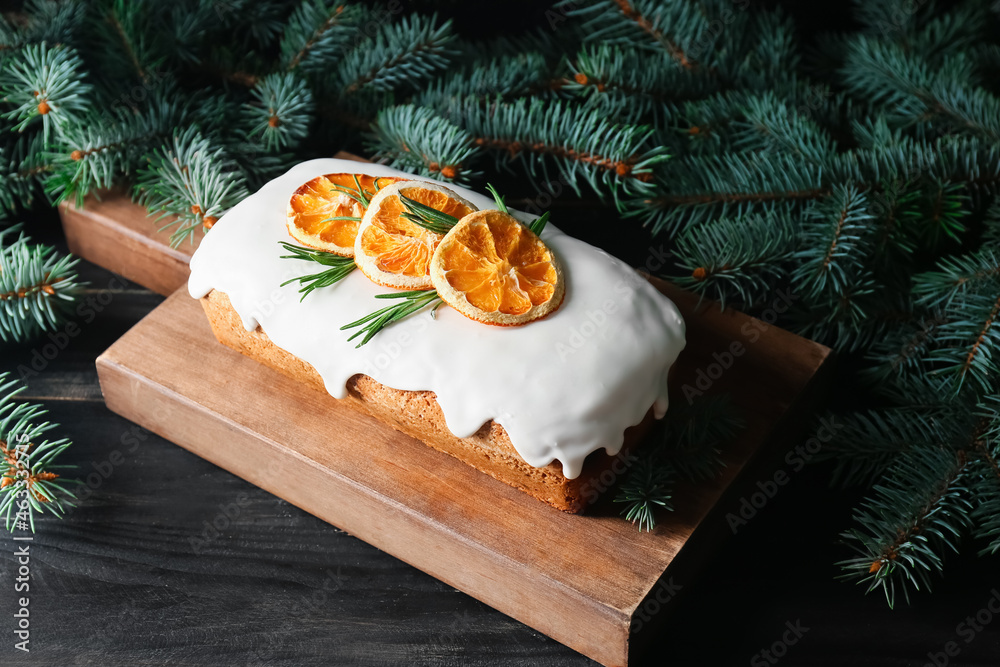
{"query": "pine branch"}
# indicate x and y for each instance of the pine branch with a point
(695, 190)
(647, 488)
(27, 462)
(672, 29)
(921, 509)
(400, 54)
(47, 83)
(578, 144)
(38, 287)
(500, 76)
(969, 341)
(318, 32)
(417, 140)
(695, 434)
(192, 181)
(101, 148)
(736, 259)
(834, 244)
(280, 113)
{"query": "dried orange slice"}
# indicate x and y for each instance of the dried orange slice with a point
(325, 213)
(493, 269)
(394, 251)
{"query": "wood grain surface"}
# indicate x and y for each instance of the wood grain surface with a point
(112, 231)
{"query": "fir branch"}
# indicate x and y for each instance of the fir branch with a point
(741, 259)
(986, 448)
(27, 462)
(969, 341)
(121, 44)
(339, 268)
(416, 139)
(280, 112)
(42, 21)
(580, 144)
(914, 91)
(192, 181)
(920, 509)
(38, 287)
(412, 302)
(976, 272)
(97, 150)
(903, 351)
(23, 166)
(44, 82)
(696, 432)
(645, 80)
(673, 28)
(868, 442)
(834, 243)
(695, 190)
(486, 78)
(318, 32)
(399, 54)
(938, 212)
(647, 488)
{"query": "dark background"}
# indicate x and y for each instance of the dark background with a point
(119, 582)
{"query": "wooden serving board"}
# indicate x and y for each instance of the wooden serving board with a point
(592, 582)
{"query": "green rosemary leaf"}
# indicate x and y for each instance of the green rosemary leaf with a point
(498, 198)
(410, 302)
(538, 224)
(357, 193)
(427, 217)
(340, 268)
(361, 191)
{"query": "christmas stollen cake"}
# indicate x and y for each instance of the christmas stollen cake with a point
(544, 406)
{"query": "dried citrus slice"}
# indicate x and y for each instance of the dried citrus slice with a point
(394, 251)
(325, 213)
(493, 269)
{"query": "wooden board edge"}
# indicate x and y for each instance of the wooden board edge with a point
(104, 241)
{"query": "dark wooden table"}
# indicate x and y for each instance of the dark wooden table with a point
(134, 576)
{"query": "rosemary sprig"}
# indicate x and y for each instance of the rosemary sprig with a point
(427, 217)
(357, 194)
(536, 225)
(498, 198)
(412, 301)
(340, 268)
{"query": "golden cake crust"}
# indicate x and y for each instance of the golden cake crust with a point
(418, 414)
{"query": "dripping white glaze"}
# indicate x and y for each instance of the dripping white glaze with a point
(562, 387)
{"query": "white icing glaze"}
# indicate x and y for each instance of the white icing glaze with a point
(562, 387)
